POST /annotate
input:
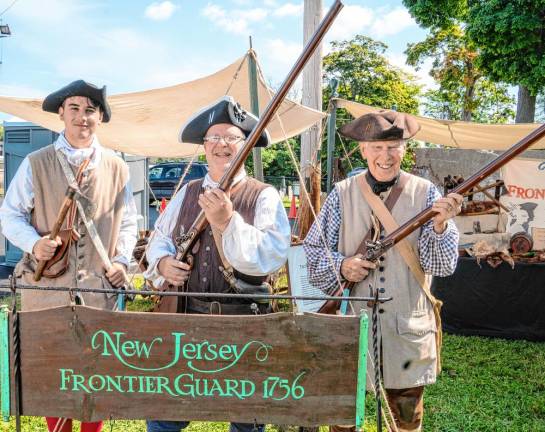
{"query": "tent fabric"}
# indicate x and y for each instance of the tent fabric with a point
(464, 135)
(147, 123)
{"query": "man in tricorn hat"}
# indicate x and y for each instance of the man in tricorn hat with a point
(407, 324)
(247, 238)
(35, 195)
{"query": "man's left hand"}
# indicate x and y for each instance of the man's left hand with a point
(217, 207)
(446, 209)
(117, 275)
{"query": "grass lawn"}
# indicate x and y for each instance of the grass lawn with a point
(487, 385)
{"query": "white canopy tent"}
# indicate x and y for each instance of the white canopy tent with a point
(459, 134)
(147, 123)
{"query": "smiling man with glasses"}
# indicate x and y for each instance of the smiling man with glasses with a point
(247, 239)
(407, 325)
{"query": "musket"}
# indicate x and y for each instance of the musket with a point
(376, 249)
(67, 203)
(188, 239)
(61, 216)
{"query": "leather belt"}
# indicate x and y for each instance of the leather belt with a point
(195, 305)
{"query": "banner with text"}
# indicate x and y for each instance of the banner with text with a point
(525, 183)
(281, 368)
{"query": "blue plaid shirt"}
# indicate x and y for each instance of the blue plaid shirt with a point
(438, 252)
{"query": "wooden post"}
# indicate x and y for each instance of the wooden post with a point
(312, 88)
(254, 102)
(331, 131)
(362, 372)
(4, 363)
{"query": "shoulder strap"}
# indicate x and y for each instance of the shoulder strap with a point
(390, 224)
(91, 229)
(390, 202)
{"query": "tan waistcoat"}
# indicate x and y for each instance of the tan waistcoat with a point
(104, 186)
(406, 323)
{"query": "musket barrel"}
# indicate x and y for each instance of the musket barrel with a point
(267, 115)
(427, 214)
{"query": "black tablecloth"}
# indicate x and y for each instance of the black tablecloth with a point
(501, 302)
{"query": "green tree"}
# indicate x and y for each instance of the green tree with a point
(511, 38)
(366, 76)
(464, 92)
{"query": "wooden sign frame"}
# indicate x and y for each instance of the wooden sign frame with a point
(90, 364)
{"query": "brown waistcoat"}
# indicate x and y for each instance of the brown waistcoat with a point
(103, 186)
(205, 276)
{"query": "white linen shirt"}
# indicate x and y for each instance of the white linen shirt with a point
(255, 250)
(19, 202)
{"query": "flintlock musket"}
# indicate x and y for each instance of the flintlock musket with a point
(379, 248)
(188, 239)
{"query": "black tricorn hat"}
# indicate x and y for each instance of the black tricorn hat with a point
(224, 110)
(53, 101)
(381, 126)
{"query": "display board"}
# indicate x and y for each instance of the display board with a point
(284, 368)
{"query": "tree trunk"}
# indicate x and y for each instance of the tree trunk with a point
(526, 106)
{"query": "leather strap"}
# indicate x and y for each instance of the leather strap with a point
(91, 229)
(390, 202)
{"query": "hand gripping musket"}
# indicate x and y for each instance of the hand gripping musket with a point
(188, 240)
(379, 248)
(61, 216)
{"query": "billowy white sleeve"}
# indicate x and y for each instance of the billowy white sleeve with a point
(260, 249)
(17, 208)
(128, 229)
(161, 244)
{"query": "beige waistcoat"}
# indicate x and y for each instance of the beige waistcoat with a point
(406, 325)
(104, 186)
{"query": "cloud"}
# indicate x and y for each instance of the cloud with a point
(392, 23)
(351, 21)
(289, 9)
(56, 11)
(160, 11)
(21, 91)
(281, 52)
(236, 21)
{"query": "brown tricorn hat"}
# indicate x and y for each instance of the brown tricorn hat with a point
(381, 126)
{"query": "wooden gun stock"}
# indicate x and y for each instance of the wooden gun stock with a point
(63, 211)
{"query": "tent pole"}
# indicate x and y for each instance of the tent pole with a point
(254, 106)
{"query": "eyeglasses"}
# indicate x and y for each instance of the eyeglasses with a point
(391, 149)
(229, 139)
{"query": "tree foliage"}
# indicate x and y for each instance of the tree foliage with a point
(437, 13)
(511, 38)
(366, 76)
(464, 92)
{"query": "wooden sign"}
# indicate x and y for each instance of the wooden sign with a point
(91, 365)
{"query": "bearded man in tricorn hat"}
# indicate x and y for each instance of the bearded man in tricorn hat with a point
(247, 238)
(35, 195)
(407, 324)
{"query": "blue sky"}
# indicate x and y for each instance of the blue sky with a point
(141, 44)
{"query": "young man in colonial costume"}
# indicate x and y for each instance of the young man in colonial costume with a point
(34, 198)
(248, 233)
(407, 324)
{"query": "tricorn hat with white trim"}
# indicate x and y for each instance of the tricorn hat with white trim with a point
(224, 110)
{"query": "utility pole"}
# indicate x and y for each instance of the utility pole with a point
(312, 88)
